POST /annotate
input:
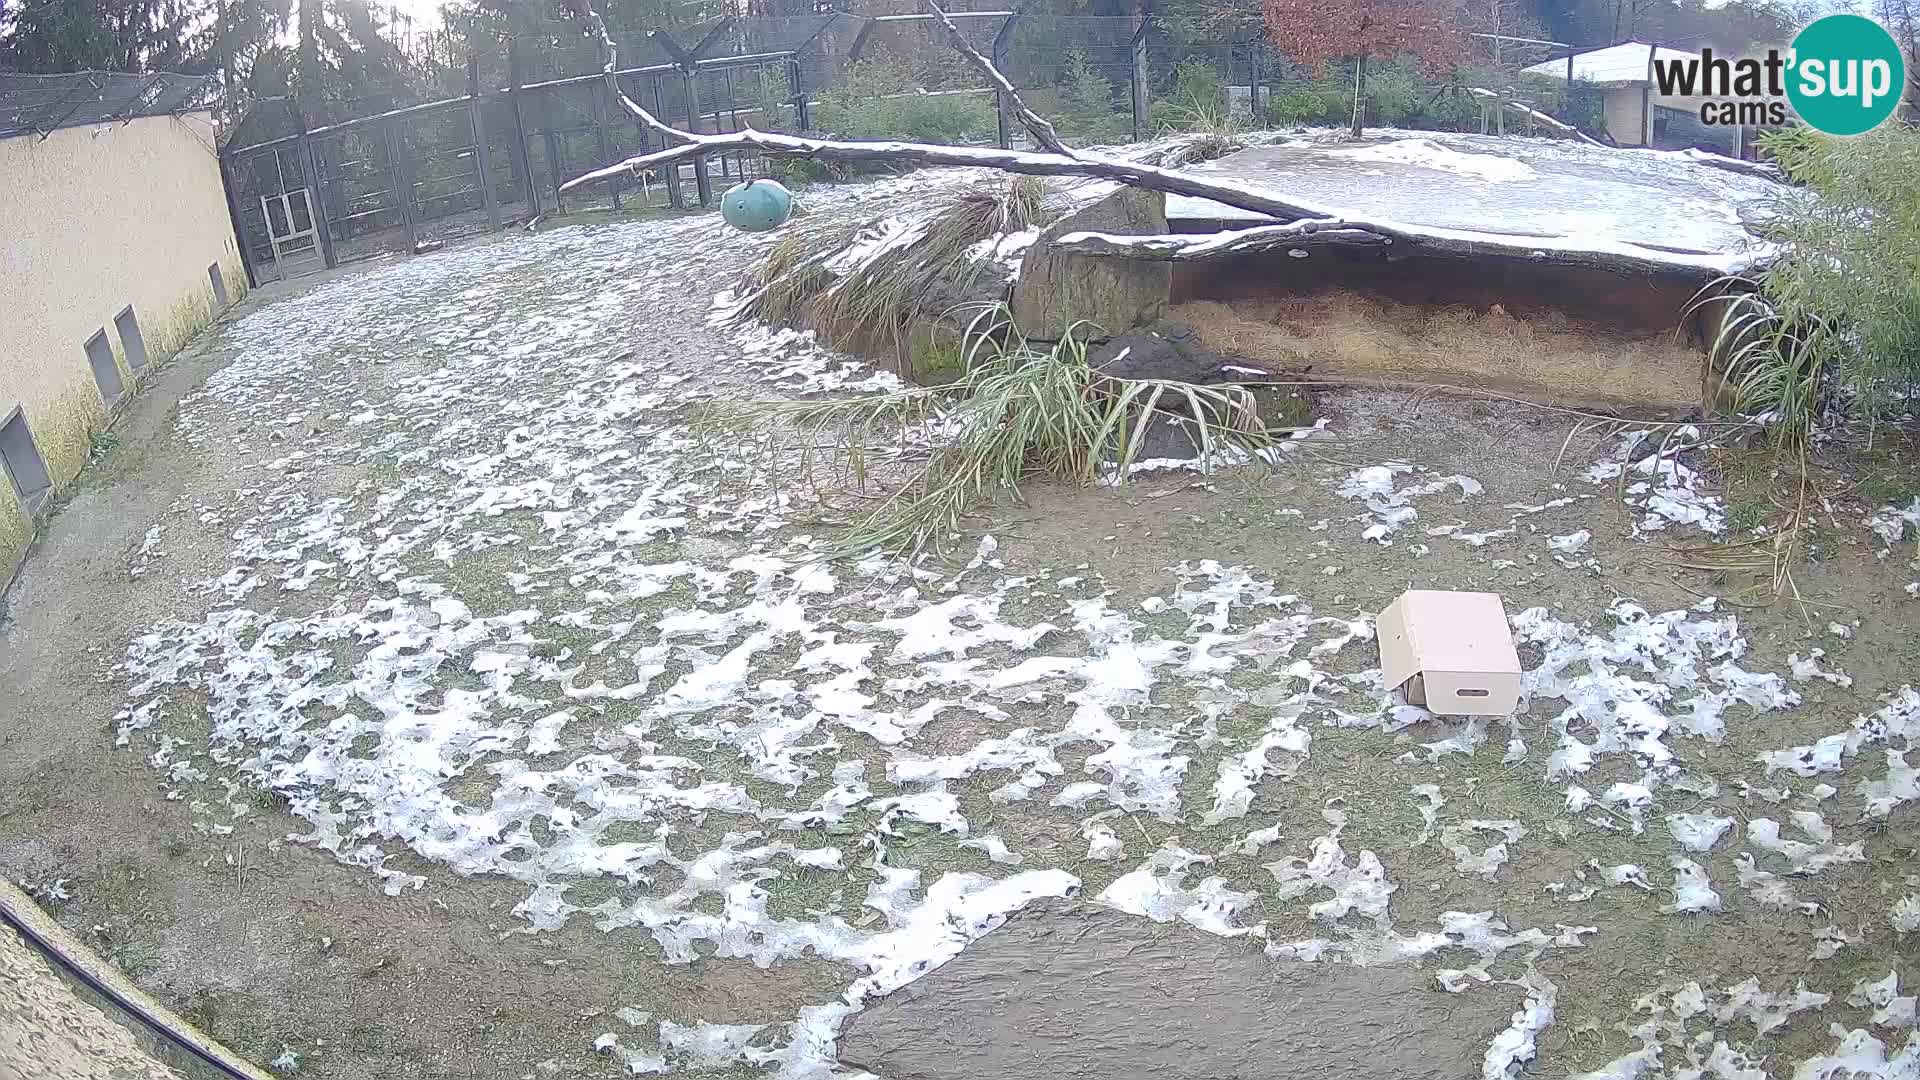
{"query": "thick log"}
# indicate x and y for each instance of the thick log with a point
(1136, 174)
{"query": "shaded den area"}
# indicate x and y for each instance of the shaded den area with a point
(1571, 335)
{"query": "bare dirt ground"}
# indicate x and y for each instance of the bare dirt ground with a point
(419, 697)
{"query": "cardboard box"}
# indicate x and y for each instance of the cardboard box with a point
(1451, 652)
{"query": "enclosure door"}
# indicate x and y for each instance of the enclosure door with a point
(290, 226)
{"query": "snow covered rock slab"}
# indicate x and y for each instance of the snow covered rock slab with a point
(1066, 990)
(1556, 195)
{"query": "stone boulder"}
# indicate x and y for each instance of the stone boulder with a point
(1165, 349)
(1170, 349)
(1057, 289)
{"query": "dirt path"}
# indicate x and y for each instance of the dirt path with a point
(472, 707)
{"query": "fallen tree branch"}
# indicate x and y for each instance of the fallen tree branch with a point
(597, 26)
(1191, 247)
(1302, 220)
(1043, 132)
(1131, 173)
(1613, 256)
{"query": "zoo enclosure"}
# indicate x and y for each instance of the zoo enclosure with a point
(408, 179)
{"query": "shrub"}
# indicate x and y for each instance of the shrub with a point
(1198, 100)
(1086, 111)
(801, 171)
(1839, 311)
(898, 284)
(879, 99)
(1398, 92)
(1313, 104)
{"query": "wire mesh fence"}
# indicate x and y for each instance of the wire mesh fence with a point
(42, 104)
(407, 178)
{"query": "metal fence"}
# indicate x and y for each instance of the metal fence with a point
(43, 104)
(409, 178)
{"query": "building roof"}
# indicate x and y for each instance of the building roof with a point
(1626, 64)
(42, 103)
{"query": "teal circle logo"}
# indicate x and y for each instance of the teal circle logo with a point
(1845, 74)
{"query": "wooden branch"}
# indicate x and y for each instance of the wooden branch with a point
(1043, 132)
(1761, 169)
(598, 27)
(1031, 163)
(1591, 253)
(1297, 221)
(1191, 247)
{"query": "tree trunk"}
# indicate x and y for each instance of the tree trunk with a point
(1359, 93)
(308, 66)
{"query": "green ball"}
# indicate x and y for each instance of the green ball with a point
(757, 207)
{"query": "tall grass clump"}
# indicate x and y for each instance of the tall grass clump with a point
(1019, 411)
(809, 278)
(1834, 322)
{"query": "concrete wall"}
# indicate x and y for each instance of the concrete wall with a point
(93, 219)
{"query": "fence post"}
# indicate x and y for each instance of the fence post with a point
(1253, 87)
(671, 172)
(476, 119)
(1003, 102)
(310, 164)
(1140, 79)
(597, 93)
(801, 122)
(552, 143)
(702, 186)
(488, 198)
(400, 181)
(520, 152)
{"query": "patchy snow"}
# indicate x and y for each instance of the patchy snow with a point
(1672, 493)
(562, 640)
(1432, 155)
(1890, 523)
(1551, 198)
(1374, 487)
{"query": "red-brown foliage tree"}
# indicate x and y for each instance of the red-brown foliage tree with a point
(1315, 31)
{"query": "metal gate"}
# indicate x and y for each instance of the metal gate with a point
(292, 232)
(273, 207)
